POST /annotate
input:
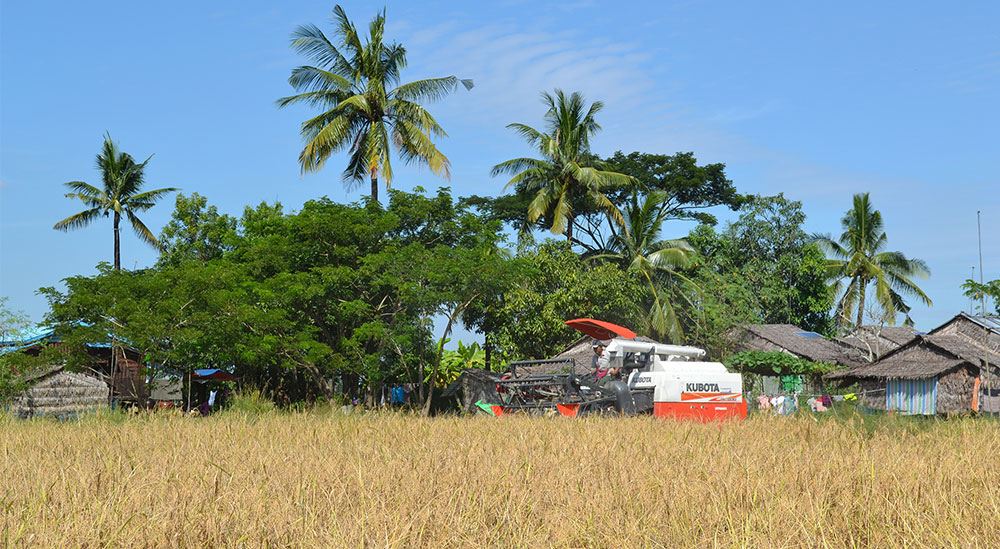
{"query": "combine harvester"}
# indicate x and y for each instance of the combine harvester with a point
(664, 380)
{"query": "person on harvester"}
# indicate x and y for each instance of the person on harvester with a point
(601, 364)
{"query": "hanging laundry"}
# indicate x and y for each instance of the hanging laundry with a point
(816, 404)
(763, 402)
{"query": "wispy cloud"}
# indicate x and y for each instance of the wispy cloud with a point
(511, 66)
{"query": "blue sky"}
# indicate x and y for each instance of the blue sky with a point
(816, 100)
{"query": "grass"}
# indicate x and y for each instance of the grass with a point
(323, 479)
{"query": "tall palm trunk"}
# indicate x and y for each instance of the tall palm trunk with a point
(569, 229)
(118, 253)
(861, 304)
(374, 187)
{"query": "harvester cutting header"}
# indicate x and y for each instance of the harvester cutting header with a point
(627, 376)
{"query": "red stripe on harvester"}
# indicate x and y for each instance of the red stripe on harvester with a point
(568, 410)
(704, 411)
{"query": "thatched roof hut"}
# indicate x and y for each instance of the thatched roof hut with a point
(114, 361)
(60, 393)
(791, 339)
(869, 343)
(932, 374)
(974, 327)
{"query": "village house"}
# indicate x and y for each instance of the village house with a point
(60, 393)
(117, 366)
(870, 343)
(948, 370)
(792, 340)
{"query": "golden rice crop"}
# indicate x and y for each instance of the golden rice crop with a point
(390, 480)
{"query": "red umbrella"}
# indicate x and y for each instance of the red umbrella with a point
(598, 329)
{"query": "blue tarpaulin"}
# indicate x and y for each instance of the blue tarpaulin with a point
(213, 374)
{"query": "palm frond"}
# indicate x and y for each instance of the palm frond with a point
(430, 89)
(148, 198)
(516, 165)
(142, 231)
(309, 40)
(78, 220)
(529, 134)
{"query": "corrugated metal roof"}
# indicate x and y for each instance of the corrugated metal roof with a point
(990, 322)
(30, 337)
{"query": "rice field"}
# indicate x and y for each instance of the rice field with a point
(322, 479)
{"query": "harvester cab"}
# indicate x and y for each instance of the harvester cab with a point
(670, 380)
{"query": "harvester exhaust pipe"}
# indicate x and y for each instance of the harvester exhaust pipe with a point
(624, 403)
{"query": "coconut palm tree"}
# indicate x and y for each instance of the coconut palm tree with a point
(639, 249)
(122, 195)
(566, 170)
(364, 109)
(859, 260)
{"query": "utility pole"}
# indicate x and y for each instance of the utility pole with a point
(972, 296)
(986, 330)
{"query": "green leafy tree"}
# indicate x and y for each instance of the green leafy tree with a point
(567, 171)
(196, 231)
(364, 108)
(556, 285)
(453, 362)
(860, 260)
(760, 269)
(978, 291)
(686, 188)
(122, 195)
(300, 304)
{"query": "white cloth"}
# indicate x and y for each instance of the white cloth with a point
(599, 364)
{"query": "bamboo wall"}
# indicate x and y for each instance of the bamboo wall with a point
(60, 393)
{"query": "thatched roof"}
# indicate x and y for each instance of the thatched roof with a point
(58, 392)
(795, 341)
(991, 323)
(877, 341)
(925, 356)
(964, 348)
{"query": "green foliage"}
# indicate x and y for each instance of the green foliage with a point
(640, 252)
(14, 366)
(364, 109)
(977, 292)
(13, 324)
(777, 363)
(122, 195)
(297, 303)
(760, 269)
(557, 286)
(687, 188)
(860, 260)
(196, 231)
(453, 362)
(566, 173)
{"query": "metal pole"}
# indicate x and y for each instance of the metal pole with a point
(982, 297)
(972, 296)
